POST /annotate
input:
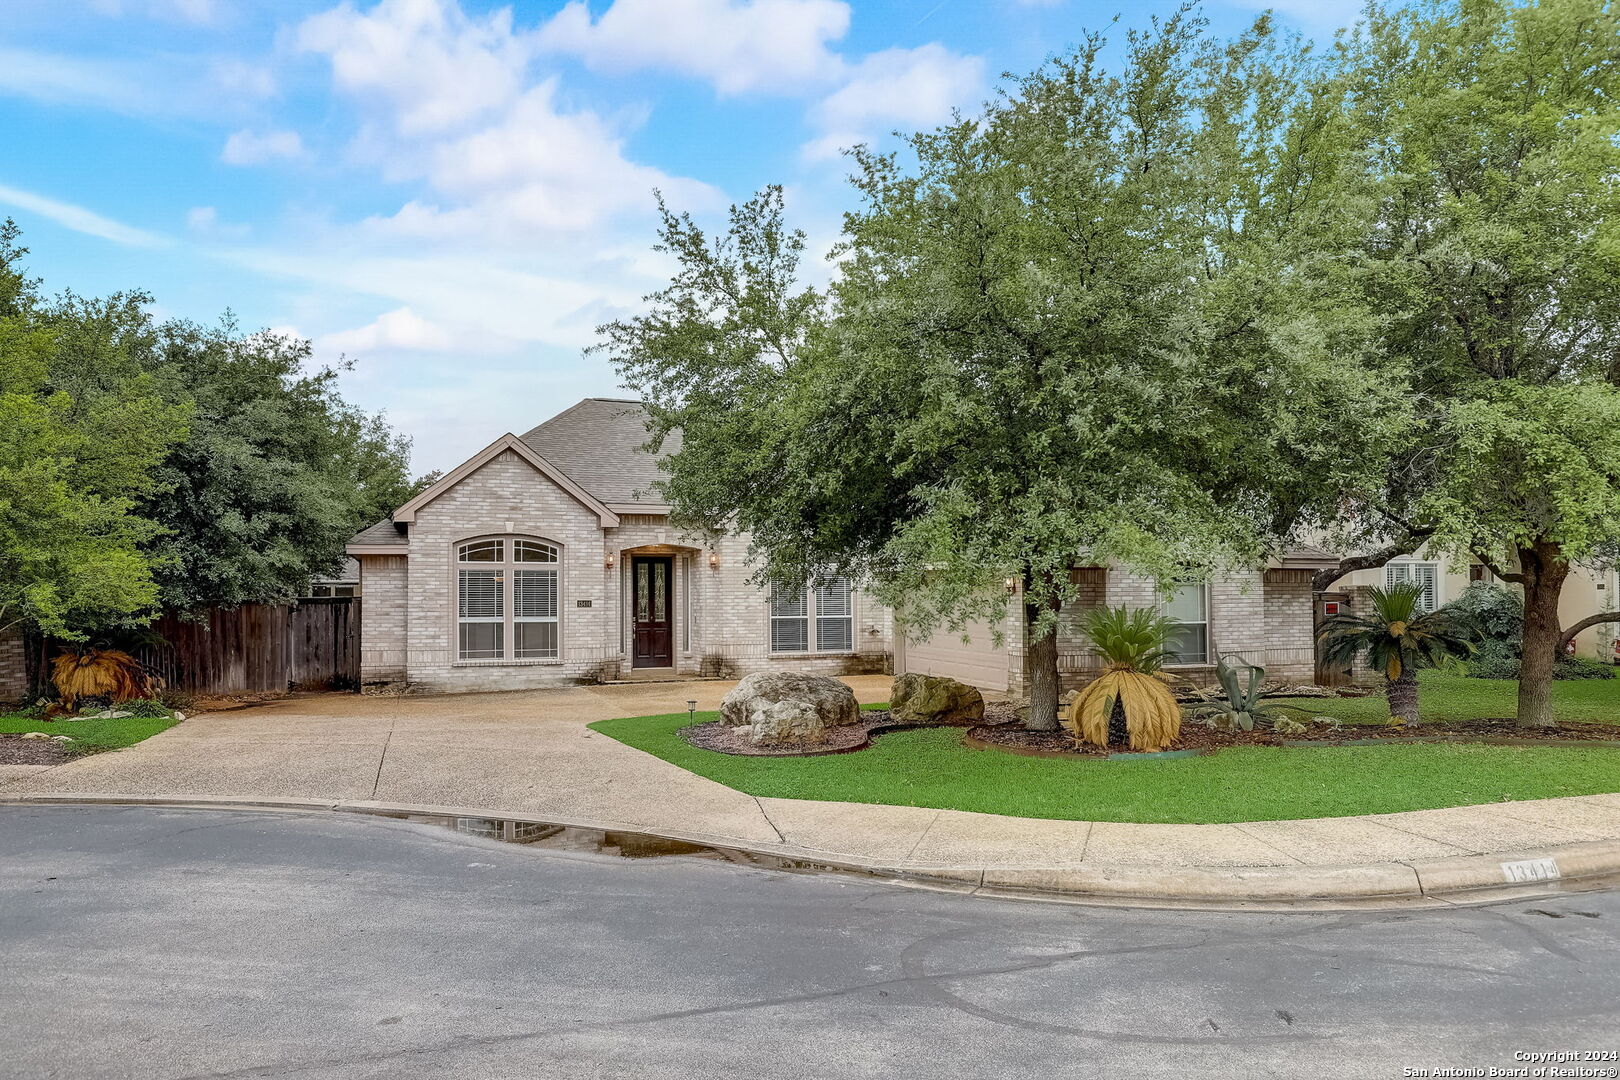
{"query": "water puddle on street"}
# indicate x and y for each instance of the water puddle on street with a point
(539, 834)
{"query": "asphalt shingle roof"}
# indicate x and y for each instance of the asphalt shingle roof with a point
(380, 534)
(599, 445)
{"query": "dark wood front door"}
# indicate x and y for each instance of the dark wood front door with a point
(653, 595)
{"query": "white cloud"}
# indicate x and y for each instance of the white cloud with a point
(401, 329)
(253, 148)
(80, 220)
(738, 45)
(56, 78)
(237, 76)
(205, 221)
(428, 65)
(909, 88)
(450, 100)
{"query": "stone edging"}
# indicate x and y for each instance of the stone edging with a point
(1464, 879)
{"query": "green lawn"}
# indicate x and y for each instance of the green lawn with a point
(91, 736)
(1453, 697)
(932, 768)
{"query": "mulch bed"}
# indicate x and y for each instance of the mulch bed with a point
(1199, 739)
(16, 750)
(722, 738)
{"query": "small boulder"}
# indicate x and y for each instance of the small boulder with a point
(787, 706)
(934, 699)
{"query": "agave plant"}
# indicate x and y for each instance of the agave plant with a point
(1132, 646)
(1398, 639)
(99, 673)
(1242, 708)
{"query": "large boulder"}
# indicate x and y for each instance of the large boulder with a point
(786, 706)
(934, 699)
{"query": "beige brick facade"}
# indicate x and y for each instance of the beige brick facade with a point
(1266, 618)
(721, 623)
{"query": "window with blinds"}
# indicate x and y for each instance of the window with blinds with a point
(534, 614)
(482, 614)
(790, 621)
(1425, 574)
(508, 604)
(835, 616)
(826, 607)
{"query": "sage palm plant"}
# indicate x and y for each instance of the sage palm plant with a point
(1399, 640)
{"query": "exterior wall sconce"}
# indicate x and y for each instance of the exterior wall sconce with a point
(714, 560)
(1012, 585)
(607, 563)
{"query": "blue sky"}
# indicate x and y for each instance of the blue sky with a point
(451, 193)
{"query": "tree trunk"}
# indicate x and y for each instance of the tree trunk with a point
(1043, 669)
(1403, 697)
(1544, 568)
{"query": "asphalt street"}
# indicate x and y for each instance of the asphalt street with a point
(144, 942)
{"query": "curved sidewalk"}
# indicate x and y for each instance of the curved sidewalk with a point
(529, 757)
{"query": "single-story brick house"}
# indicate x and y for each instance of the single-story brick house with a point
(545, 559)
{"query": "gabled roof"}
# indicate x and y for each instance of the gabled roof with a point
(599, 443)
(606, 517)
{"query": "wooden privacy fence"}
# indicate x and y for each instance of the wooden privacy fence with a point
(313, 644)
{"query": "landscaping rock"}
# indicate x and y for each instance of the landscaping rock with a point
(812, 703)
(934, 699)
(785, 722)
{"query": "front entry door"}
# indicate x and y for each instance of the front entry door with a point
(654, 638)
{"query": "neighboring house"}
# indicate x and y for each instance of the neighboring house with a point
(344, 583)
(545, 559)
(1264, 617)
(1587, 591)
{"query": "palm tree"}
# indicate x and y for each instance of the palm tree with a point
(1132, 645)
(1398, 639)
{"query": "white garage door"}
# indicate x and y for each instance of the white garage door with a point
(977, 663)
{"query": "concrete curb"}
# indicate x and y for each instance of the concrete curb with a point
(1466, 879)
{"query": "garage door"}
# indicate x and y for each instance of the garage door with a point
(977, 663)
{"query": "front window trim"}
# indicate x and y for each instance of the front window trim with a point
(1189, 658)
(823, 611)
(527, 572)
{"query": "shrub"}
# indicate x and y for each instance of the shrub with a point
(1579, 667)
(1500, 664)
(1494, 613)
(146, 708)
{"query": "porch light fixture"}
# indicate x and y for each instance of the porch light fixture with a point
(607, 563)
(714, 560)
(1012, 585)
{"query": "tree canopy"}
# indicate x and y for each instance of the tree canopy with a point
(148, 465)
(73, 467)
(1092, 324)
(1489, 131)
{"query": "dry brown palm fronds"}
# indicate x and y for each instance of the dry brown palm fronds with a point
(99, 673)
(1152, 715)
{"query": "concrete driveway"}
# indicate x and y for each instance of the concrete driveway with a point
(524, 752)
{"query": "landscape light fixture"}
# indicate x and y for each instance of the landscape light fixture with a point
(691, 711)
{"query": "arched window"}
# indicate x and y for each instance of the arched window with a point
(507, 600)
